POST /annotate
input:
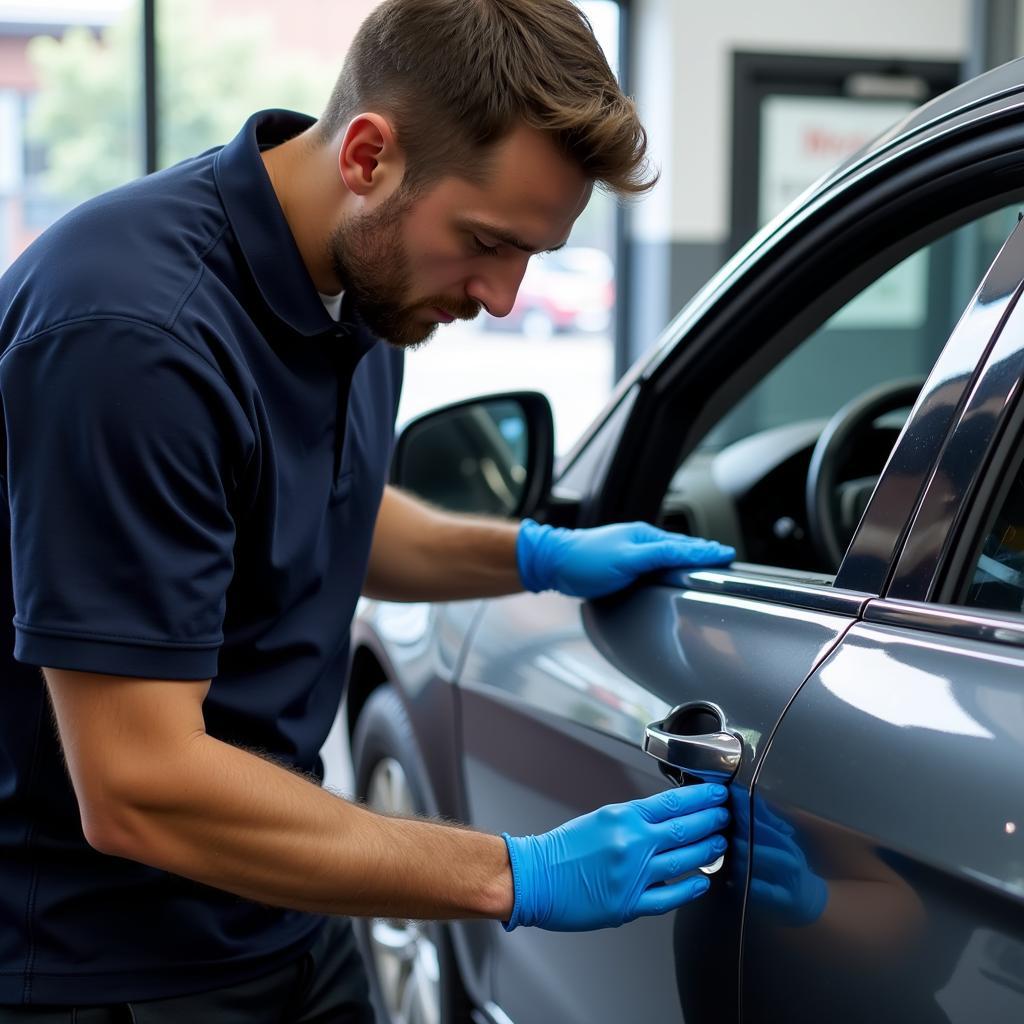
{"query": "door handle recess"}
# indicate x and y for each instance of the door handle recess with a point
(693, 740)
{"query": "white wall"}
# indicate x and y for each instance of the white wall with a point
(682, 78)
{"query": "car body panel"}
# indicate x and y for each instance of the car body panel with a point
(899, 766)
(555, 694)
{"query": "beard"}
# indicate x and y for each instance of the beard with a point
(370, 260)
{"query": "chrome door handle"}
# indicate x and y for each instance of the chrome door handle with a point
(693, 741)
(713, 756)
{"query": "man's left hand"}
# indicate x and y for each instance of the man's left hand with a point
(592, 563)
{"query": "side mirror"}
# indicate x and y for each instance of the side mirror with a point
(492, 456)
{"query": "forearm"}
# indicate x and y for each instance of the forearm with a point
(423, 554)
(236, 822)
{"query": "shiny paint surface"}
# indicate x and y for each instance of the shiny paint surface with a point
(419, 645)
(900, 768)
(756, 584)
(555, 695)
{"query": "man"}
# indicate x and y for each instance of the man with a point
(196, 449)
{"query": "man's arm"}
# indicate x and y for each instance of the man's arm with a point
(421, 553)
(154, 787)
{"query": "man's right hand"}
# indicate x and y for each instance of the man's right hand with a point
(604, 868)
(154, 787)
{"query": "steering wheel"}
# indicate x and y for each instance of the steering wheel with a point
(834, 446)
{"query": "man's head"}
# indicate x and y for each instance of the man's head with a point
(469, 134)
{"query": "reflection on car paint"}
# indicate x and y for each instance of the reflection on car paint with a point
(919, 700)
(924, 745)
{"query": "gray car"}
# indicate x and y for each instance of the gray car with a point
(842, 404)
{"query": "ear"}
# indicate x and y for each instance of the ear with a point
(369, 158)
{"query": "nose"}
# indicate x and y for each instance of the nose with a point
(497, 287)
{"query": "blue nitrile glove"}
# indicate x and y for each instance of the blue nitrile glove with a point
(592, 563)
(780, 880)
(600, 870)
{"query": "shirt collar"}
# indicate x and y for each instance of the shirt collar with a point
(263, 234)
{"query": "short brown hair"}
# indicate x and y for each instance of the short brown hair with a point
(457, 76)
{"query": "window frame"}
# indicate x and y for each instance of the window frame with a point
(867, 218)
(945, 536)
(974, 472)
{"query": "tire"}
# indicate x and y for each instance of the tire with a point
(411, 964)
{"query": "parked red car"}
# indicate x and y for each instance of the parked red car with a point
(565, 291)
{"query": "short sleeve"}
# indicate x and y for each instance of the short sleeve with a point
(122, 444)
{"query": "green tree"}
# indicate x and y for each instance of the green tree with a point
(213, 72)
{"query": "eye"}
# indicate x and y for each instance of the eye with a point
(483, 248)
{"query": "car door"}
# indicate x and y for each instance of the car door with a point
(887, 856)
(555, 694)
(554, 699)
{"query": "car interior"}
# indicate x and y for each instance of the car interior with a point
(997, 581)
(786, 473)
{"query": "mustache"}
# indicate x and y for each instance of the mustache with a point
(461, 309)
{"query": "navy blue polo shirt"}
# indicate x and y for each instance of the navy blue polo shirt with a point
(194, 454)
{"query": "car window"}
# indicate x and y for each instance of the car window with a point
(746, 481)
(997, 577)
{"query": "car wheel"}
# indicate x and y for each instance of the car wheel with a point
(411, 963)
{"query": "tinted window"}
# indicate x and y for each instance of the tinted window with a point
(997, 580)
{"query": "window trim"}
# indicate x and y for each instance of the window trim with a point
(758, 583)
(947, 527)
(965, 623)
(979, 510)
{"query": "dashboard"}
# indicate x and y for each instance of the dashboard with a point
(752, 494)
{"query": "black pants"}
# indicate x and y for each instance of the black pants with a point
(327, 985)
